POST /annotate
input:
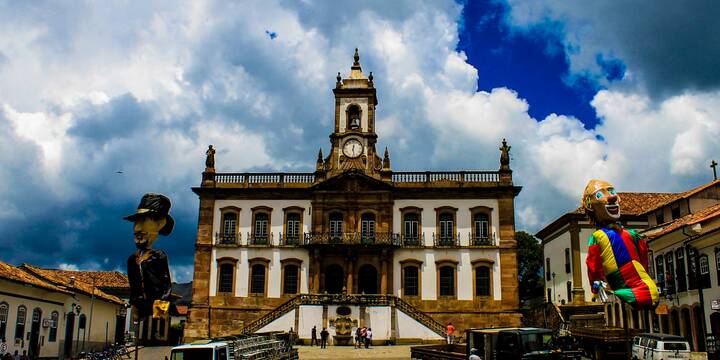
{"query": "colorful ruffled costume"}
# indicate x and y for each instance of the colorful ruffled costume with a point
(621, 260)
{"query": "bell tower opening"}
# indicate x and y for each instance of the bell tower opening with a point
(353, 116)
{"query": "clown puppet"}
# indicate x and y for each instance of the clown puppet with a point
(617, 259)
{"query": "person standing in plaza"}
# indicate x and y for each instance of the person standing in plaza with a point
(368, 337)
(313, 336)
(363, 336)
(358, 344)
(450, 333)
(323, 338)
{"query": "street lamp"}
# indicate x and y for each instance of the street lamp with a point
(554, 291)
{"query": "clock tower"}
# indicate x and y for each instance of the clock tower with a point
(353, 140)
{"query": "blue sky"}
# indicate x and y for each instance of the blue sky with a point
(100, 103)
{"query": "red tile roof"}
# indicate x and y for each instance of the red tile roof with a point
(637, 203)
(13, 273)
(689, 219)
(60, 278)
(103, 279)
(685, 195)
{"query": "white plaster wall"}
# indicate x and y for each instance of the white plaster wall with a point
(242, 275)
(408, 328)
(283, 323)
(310, 315)
(464, 274)
(378, 318)
(276, 216)
(363, 103)
(555, 251)
(428, 216)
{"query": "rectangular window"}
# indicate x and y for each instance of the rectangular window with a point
(411, 281)
(680, 270)
(547, 269)
(52, 336)
(20, 324)
(446, 230)
(660, 217)
(292, 228)
(226, 278)
(447, 281)
(482, 281)
(669, 273)
(261, 228)
(367, 229)
(411, 229)
(660, 271)
(290, 281)
(257, 280)
(335, 228)
(481, 229)
(675, 211)
(567, 261)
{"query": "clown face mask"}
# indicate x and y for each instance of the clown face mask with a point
(146, 229)
(602, 202)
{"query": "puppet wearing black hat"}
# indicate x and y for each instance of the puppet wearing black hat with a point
(147, 268)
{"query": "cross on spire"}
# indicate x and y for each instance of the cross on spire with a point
(713, 165)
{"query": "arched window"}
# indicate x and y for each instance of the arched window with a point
(52, 336)
(336, 225)
(481, 227)
(20, 323)
(482, 281)
(227, 277)
(3, 318)
(257, 279)
(292, 228)
(411, 280)
(262, 222)
(704, 266)
(367, 227)
(411, 225)
(446, 278)
(290, 279)
(447, 228)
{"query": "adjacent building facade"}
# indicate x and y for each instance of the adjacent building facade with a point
(355, 242)
(684, 259)
(49, 316)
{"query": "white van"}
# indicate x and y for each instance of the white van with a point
(660, 347)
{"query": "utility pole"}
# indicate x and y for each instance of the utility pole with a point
(92, 301)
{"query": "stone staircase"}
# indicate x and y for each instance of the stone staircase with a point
(344, 299)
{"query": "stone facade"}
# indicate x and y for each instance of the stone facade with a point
(444, 242)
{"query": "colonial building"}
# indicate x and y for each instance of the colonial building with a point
(49, 316)
(355, 243)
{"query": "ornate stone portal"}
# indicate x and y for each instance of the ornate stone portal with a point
(343, 324)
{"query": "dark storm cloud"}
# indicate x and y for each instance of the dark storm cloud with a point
(119, 118)
(669, 46)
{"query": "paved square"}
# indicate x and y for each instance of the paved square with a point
(348, 352)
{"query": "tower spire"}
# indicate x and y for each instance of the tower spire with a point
(355, 69)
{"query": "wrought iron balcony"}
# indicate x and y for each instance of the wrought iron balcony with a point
(260, 239)
(290, 240)
(446, 241)
(351, 238)
(413, 240)
(227, 239)
(481, 240)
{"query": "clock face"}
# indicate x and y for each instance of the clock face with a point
(352, 148)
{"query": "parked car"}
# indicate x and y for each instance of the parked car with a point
(660, 347)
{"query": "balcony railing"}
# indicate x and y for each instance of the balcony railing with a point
(351, 238)
(290, 240)
(480, 240)
(459, 176)
(264, 178)
(446, 241)
(260, 239)
(227, 239)
(413, 240)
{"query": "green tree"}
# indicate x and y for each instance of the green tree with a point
(530, 266)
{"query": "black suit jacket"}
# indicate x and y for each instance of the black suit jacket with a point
(149, 280)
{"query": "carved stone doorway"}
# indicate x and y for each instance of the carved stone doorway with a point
(367, 279)
(334, 279)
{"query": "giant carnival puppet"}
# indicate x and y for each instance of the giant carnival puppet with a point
(148, 271)
(617, 259)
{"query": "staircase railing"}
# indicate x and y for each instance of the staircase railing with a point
(271, 316)
(356, 299)
(420, 316)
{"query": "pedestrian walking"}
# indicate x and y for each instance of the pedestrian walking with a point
(368, 337)
(363, 336)
(323, 338)
(313, 336)
(450, 333)
(474, 354)
(358, 340)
